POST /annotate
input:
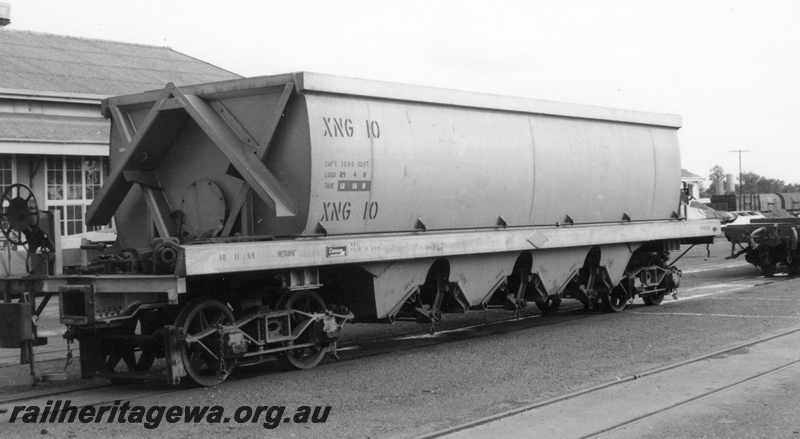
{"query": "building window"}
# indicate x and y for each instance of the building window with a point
(6, 172)
(72, 182)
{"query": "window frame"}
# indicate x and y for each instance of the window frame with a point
(72, 223)
(4, 186)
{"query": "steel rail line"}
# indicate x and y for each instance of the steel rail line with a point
(51, 392)
(622, 380)
(704, 395)
(15, 355)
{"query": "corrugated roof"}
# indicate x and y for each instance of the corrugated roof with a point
(55, 63)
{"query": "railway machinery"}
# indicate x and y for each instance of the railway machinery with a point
(256, 217)
(767, 243)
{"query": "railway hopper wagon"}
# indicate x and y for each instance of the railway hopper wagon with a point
(256, 217)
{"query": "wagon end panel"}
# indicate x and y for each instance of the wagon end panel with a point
(201, 150)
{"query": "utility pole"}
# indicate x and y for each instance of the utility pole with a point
(740, 200)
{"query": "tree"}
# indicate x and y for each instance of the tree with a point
(767, 185)
(717, 173)
(753, 183)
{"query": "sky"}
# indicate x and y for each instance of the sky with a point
(729, 68)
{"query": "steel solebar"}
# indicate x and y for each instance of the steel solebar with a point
(349, 249)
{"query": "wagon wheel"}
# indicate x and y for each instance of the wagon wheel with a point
(136, 356)
(20, 212)
(549, 306)
(203, 358)
(615, 300)
(654, 299)
(310, 356)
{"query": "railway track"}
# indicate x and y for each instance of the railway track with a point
(606, 423)
(688, 402)
(10, 359)
(478, 427)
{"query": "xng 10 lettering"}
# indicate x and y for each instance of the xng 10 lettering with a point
(341, 127)
(341, 210)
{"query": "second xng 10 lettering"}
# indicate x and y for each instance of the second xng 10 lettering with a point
(341, 127)
(343, 210)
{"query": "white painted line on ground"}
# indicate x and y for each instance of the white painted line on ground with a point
(712, 315)
(730, 288)
(52, 333)
(710, 287)
(701, 296)
(715, 267)
(759, 298)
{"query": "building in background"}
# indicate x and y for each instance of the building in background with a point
(693, 181)
(53, 137)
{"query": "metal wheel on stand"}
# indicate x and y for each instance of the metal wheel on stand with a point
(20, 213)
